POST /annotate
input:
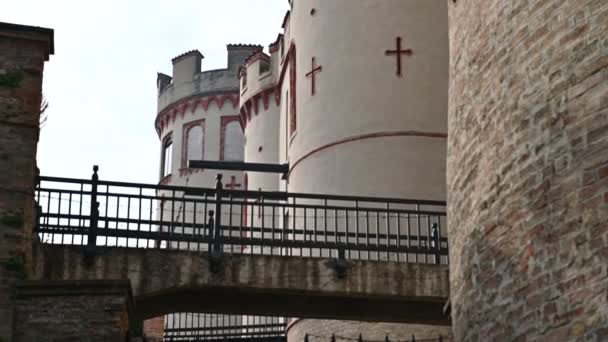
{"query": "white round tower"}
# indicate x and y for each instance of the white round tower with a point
(198, 119)
(362, 89)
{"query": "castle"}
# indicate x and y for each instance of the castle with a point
(357, 97)
(352, 108)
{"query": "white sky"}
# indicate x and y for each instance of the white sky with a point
(101, 82)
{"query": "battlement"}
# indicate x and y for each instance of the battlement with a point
(238, 53)
(186, 66)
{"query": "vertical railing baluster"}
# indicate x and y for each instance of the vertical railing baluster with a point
(428, 237)
(230, 203)
(92, 238)
(293, 226)
(210, 229)
(217, 234)
(70, 218)
(263, 221)
(357, 229)
(196, 230)
(61, 231)
(377, 234)
(388, 231)
(273, 228)
(304, 233)
(325, 224)
(172, 222)
(139, 203)
(80, 219)
(436, 244)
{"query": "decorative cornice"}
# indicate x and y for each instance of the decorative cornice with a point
(181, 107)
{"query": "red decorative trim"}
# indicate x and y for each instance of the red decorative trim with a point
(233, 184)
(165, 180)
(185, 128)
(192, 102)
(188, 171)
(245, 110)
(254, 100)
(312, 74)
(225, 120)
(265, 99)
(397, 53)
(368, 136)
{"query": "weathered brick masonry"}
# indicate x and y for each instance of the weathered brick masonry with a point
(72, 311)
(23, 50)
(528, 170)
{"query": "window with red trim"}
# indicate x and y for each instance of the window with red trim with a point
(166, 156)
(193, 142)
(232, 143)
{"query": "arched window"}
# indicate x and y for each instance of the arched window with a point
(193, 142)
(232, 139)
(167, 155)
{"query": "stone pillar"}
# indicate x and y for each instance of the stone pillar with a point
(23, 50)
(528, 170)
(72, 311)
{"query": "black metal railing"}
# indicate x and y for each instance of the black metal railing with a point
(215, 327)
(360, 338)
(94, 212)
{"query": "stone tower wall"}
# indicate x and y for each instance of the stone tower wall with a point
(23, 51)
(528, 170)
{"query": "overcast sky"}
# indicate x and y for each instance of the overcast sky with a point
(101, 82)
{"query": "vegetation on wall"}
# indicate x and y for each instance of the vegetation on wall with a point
(11, 79)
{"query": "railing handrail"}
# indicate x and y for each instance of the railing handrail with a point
(248, 194)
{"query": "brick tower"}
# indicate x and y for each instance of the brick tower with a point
(528, 170)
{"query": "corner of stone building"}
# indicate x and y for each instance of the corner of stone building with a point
(24, 49)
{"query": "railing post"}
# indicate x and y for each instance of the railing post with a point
(217, 234)
(413, 338)
(436, 243)
(386, 339)
(215, 250)
(360, 339)
(92, 237)
(209, 232)
(333, 338)
(306, 338)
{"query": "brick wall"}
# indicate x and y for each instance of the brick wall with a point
(154, 328)
(322, 330)
(528, 170)
(22, 55)
(72, 311)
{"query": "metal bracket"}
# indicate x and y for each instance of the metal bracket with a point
(216, 261)
(341, 266)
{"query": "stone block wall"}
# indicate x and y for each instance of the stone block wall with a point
(23, 51)
(528, 170)
(72, 311)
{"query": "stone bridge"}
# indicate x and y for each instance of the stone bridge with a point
(165, 281)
